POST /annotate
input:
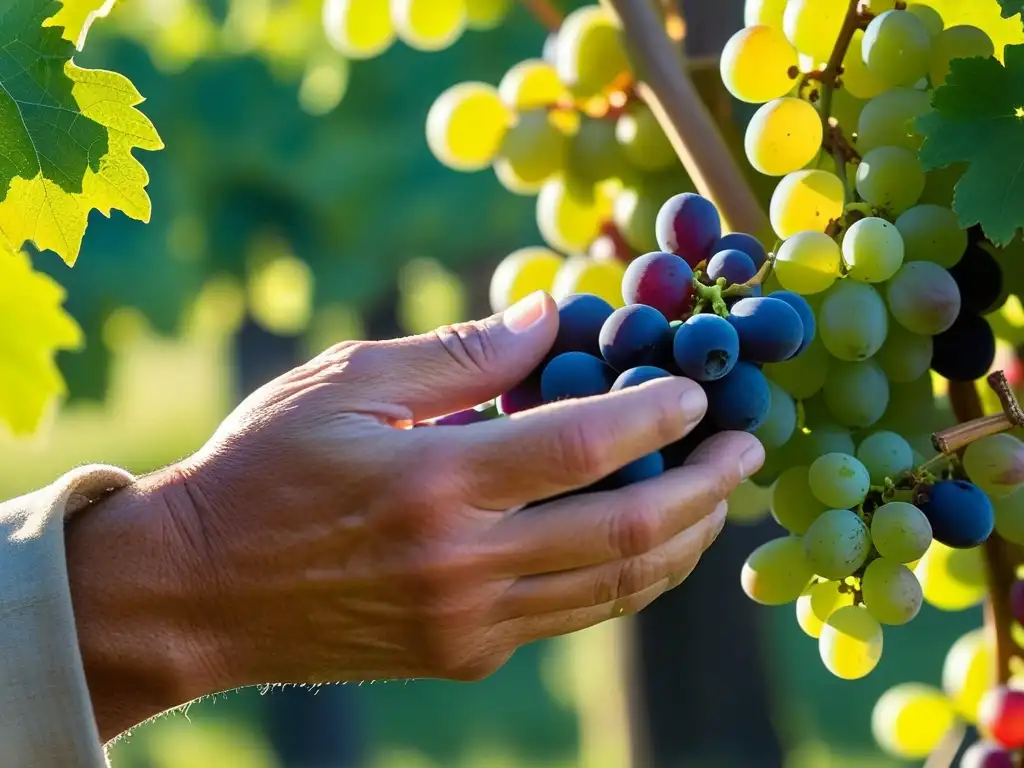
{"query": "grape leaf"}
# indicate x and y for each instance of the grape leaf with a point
(978, 119)
(67, 135)
(35, 327)
(1011, 8)
(76, 16)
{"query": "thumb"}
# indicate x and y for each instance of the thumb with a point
(459, 366)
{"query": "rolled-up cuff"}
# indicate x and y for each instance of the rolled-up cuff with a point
(46, 717)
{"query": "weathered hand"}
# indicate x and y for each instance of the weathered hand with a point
(322, 541)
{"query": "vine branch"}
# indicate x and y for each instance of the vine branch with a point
(547, 14)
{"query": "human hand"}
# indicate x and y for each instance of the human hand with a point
(322, 541)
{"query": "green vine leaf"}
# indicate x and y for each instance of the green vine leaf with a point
(978, 119)
(76, 16)
(36, 327)
(67, 133)
(1011, 8)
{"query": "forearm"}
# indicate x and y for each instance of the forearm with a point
(131, 579)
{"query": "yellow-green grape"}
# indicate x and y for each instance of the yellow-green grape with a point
(568, 220)
(635, 214)
(644, 143)
(892, 594)
(486, 14)
(961, 42)
(783, 136)
(595, 154)
(466, 126)
(808, 263)
(889, 120)
(872, 250)
(590, 53)
(819, 602)
(806, 200)
(897, 48)
(531, 84)
(534, 150)
(1010, 516)
(905, 356)
(900, 531)
(777, 572)
(837, 543)
(758, 64)
(857, 78)
(910, 720)
(813, 26)
(359, 29)
(951, 579)
(932, 233)
(929, 17)
(890, 178)
(850, 643)
(429, 25)
(793, 505)
(766, 12)
(995, 464)
(748, 503)
(804, 375)
(582, 275)
(521, 273)
(968, 673)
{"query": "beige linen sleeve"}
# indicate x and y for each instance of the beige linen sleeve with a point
(46, 717)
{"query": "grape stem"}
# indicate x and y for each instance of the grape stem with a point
(670, 93)
(542, 10)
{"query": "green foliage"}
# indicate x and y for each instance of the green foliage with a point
(979, 120)
(1011, 8)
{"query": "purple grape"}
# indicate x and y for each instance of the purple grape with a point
(986, 754)
(803, 309)
(580, 318)
(966, 350)
(740, 400)
(688, 225)
(634, 377)
(770, 330)
(1017, 600)
(575, 374)
(636, 335)
(660, 280)
(735, 266)
(522, 397)
(740, 241)
(706, 347)
(462, 418)
(980, 280)
(644, 468)
(960, 513)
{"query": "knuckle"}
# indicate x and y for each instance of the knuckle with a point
(469, 345)
(633, 533)
(634, 577)
(584, 453)
(474, 667)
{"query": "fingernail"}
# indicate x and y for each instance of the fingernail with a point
(694, 404)
(524, 314)
(752, 459)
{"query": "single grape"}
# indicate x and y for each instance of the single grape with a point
(575, 374)
(1009, 514)
(568, 220)
(804, 375)
(734, 266)
(817, 603)
(689, 226)
(358, 29)
(888, 120)
(793, 505)
(890, 178)
(900, 532)
(580, 319)
(769, 330)
(636, 335)
(872, 250)
(932, 233)
(531, 84)
(897, 48)
(853, 320)
(856, 394)
(904, 356)
(980, 280)
(740, 400)
(486, 14)
(995, 464)
(804, 311)
(928, 16)
(813, 26)
(533, 150)
(923, 298)
(635, 214)
(892, 594)
(767, 12)
(780, 423)
(643, 142)
(839, 480)
(595, 154)
(968, 672)
(808, 263)
(960, 513)
(524, 396)
(756, 63)
(462, 418)
(850, 643)
(634, 377)
(706, 347)
(590, 54)
(466, 125)
(966, 350)
(987, 754)
(660, 280)
(644, 468)
(748, 504)
(885, 455)
(806, 200)
(748, 244)
(910, 720)
(776, 572)
(582, 275)
(857, 78)
(959, 42)
(429, 25)
(783, 136)
(825, 438)
(837, 543)
(1001, 714)
(521, 273)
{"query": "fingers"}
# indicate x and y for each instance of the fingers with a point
(592, 529)
(599, 585)
(455, 367)
(564, 446)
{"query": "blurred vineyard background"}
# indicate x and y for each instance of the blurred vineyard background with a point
(297, 205)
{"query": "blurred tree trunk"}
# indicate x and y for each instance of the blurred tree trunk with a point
(308, 728)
